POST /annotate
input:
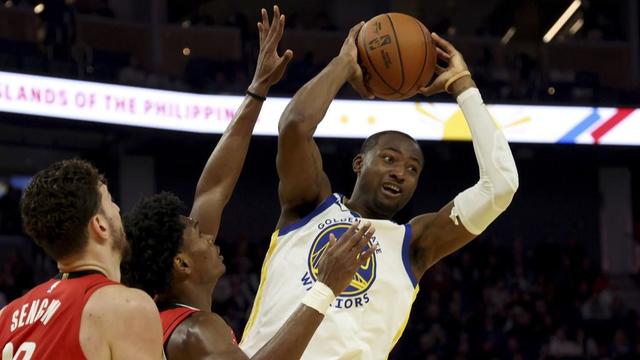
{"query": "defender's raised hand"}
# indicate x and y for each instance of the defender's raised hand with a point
(270, 66)
(342, 258)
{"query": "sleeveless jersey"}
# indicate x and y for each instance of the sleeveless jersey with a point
(45, 322)
(367, 319)
(172, 316)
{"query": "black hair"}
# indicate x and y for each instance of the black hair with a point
(154, 229)
(372, 140)
(58, 204)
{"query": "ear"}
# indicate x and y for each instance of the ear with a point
(182, 264)
(357, 163)
(98, 227)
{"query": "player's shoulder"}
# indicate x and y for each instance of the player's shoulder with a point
(119, 301)
(204, 335)
(203, 324)
(200, 335)
(422, 221)
(125, 319)
(420, 224)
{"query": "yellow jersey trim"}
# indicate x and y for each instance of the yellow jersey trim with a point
(263, 277)
(406, 320)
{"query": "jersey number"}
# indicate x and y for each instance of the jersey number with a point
(26, 349)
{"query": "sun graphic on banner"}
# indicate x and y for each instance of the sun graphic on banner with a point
(456, 128)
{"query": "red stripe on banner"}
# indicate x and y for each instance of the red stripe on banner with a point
(616, 119)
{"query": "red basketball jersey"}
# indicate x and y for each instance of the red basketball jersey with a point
(173, 316)
(45, 322)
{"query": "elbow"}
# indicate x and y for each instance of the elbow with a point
(296, 122)
(502, 199)
(505, 190)
(289, 120)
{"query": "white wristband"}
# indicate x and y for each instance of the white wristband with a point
(319, 297)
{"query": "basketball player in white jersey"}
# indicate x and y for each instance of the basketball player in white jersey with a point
(175, 258)
(367, 319)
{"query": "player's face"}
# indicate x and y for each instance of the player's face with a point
(208, 264)
(112, 212)
(389, 174)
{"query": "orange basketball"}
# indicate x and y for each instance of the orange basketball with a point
(396, 54)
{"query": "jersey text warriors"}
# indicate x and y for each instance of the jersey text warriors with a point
(367, 319)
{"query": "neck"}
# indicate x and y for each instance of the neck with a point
(111, 271)
(356, 203)
(190, 294)
(97, 255)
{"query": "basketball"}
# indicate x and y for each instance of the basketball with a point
(396, 54)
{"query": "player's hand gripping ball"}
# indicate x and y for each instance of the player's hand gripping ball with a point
(397, 56)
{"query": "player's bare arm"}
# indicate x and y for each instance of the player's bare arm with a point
(303, 183)
(206, 335)
(121, 323)
(439, 234)
(223, 168)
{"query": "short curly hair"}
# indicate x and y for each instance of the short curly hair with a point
(58, 204)
(154, 229)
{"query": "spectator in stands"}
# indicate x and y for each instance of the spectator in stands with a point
(9, 209)
(59, 29)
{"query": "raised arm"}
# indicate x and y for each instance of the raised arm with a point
(303, 183)
(223, 168)
(206, 336)
(457, 223)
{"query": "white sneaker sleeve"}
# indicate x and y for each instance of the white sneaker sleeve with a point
(480, 205)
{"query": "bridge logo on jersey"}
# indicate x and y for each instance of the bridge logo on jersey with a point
(364, 277)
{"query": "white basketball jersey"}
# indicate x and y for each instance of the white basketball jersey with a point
(367, 319)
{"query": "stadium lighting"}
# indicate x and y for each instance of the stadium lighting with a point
(508, 35)
(576, 26)
(38, 8)
(553, 31)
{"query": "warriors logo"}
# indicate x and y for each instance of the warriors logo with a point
(363, 278)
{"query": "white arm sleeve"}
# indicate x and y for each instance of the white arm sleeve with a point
(481, 204)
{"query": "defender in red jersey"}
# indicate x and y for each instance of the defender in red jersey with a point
(175, 259)
(83, 313)
(47, 315)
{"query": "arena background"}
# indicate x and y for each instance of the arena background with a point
(557, 275)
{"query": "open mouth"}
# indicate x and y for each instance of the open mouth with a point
(391, 189)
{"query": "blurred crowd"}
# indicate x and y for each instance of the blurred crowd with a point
(512, 302)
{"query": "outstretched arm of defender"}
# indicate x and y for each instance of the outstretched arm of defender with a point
(303, 183)
(223, 168)
(438, 235)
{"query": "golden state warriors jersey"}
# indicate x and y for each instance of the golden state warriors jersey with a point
(367, 319)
